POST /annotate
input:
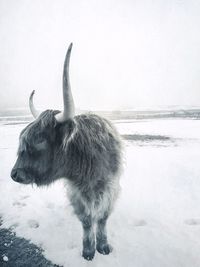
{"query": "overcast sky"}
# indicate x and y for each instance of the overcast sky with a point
(126, 53)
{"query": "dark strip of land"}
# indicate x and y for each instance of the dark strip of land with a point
(145, 137)
(19, 252)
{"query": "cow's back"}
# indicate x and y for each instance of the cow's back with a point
(93, 150)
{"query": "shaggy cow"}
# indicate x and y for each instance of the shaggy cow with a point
(85, 150)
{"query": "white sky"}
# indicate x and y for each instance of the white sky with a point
(126, 53)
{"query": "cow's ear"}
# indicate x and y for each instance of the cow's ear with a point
(55, 112)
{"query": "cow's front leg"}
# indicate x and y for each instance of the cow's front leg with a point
(88, 237)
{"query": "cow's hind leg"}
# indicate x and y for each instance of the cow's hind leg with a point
(101, 236)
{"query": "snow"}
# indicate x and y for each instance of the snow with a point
(5, 258)
(156, 221)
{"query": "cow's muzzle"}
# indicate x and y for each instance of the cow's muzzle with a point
(19, 176)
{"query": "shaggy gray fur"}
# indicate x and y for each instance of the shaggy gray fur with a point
(86, 150)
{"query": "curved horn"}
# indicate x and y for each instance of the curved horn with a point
(33, 110)
(68, 111)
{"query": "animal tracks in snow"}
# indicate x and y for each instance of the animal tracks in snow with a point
(19, 204)
(33, 224)
(192, 222)
(24, 197)
(139, 222)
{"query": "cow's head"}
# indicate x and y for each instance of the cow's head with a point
(37, 142)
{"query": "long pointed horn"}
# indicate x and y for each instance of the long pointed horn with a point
(68, 111)
(33, 110)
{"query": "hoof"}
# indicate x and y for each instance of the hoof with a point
(104, 249)
(88, 254)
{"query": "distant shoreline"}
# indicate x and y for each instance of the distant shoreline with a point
(193, 113)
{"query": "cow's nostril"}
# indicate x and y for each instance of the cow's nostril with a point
(14, 174)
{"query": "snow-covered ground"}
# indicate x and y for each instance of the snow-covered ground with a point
(156, 221)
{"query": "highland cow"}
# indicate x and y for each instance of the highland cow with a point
(85, 150)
